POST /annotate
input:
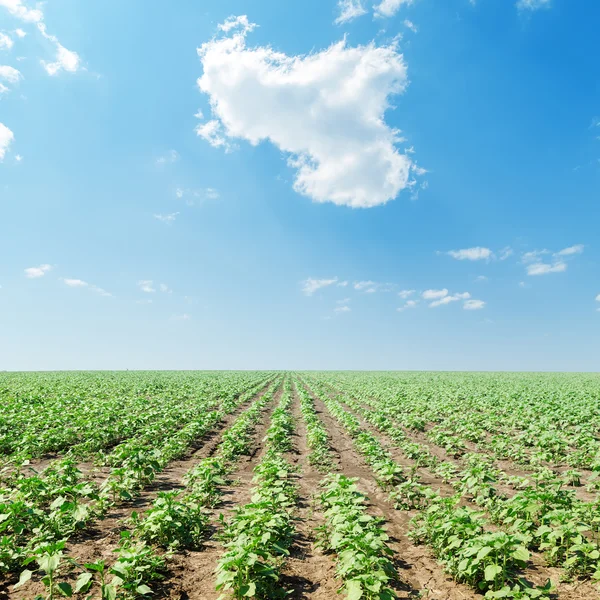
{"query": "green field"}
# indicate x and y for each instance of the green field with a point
(299, 484)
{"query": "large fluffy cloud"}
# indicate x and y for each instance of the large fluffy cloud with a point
(324, 110)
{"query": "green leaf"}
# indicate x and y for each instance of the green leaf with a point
(354, 589)
(65, 589)
(249, 589)
(143, 589)
(492, 571)
(109, 592)
(25, 577)
(83, 582)
(521, 553)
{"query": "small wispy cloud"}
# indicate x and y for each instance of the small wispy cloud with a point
(147, 286)
(388, 8)
(571, 250)
(80, 283)
(474, 305)
(6, 42)
(407, 305)
(167, 219)
(533, 5)
(535, 265)
(545, 268)
(481, 278)
(7, 137)
(165, 289)
(434, 294)
(170, 157)
(410, 25)
(310, 285)
(449, 298)
(370, 287)
(195, 196)
(342, 309)
(349, 10)
(476, 253)
(36, 272)
(443, 296)
(505, 253)
(405, 293)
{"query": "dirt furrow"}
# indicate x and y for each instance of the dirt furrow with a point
(308, 571)
(419, 572)
(192, 573)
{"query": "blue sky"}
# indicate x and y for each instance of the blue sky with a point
(358, 185)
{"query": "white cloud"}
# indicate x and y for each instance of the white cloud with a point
(598, 298)
(75, 283)
(310, 285)
(239, 22)
(212, 132)
(544, 268)
(79, 283)
(192, 196)
(325, 111)
(447, 299)
(20, 33)
(533, 4)
(144, 301)
(388, 8)
(481, 278)
(3, 88)
(410, 25)
(476, 253)
(342, 283)
(18, 157)
(6, 138)
(405, 293)
(66, 60)
(342, 309)
(522, 284)
(170, 157)
(17, 9)
(474, 305)
(534, 255)
(6, 41)
(147, 286)
(164, 288)
(199, 114)
(434, 294)
(571, 250)
(35, 272)
(407, 305)
(364, 285)
(168, 219)
(505, 253)
(9, 74)
(343, 301)
(350, 9)
(535, 265)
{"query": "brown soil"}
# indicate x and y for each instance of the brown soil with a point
(99, 540)
(308, 573)
(192, 574)
(537, 573)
